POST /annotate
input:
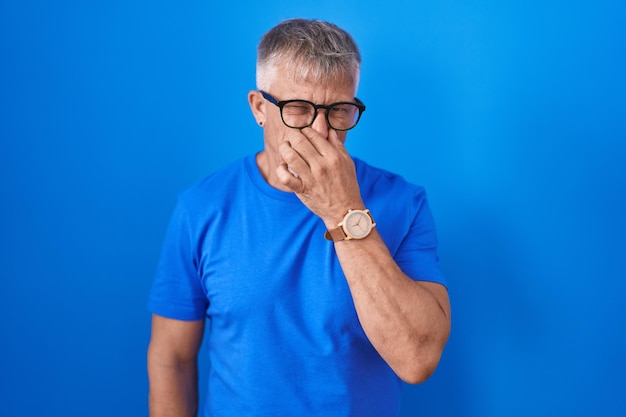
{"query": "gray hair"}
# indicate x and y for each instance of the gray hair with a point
(310, 51)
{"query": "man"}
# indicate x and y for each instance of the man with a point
(315, 308)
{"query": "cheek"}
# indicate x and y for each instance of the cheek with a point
(276, 133)
(342, 136)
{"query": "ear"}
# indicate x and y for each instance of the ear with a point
(257, 105)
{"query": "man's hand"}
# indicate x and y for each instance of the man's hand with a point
(321, 173)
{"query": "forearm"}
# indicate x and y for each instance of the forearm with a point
(173, 388)
(405, 320)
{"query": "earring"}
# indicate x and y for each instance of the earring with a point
(260, 123)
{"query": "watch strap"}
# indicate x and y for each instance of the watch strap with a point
(337, 234)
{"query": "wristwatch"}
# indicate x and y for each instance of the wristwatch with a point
(356, 224)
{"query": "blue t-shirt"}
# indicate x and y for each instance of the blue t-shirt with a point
(284, 338)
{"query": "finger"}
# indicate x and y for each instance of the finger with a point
(293, 172)
(333, 139)
(292, 157)
(303, 145)
(286, 176)
(318, 141)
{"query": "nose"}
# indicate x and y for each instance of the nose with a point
(320, 124)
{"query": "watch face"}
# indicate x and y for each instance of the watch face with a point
(357, 224)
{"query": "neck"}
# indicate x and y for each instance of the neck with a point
(267, 167)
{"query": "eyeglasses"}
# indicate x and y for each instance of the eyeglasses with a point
(299, 114)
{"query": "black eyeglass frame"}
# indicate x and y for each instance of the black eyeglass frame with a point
(280, 104)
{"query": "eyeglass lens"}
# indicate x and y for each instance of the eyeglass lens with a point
(300, 114)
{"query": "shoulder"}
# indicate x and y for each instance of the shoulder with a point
(215, 187)
(378, 182)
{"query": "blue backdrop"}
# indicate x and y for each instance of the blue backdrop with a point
(511, 114)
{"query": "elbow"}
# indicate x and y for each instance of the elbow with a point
(421, 363)
(418, 371)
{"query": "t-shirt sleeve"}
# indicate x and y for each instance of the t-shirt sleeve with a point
(177, 292)
(417, 254)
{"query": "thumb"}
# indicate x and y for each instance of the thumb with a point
(333, 138)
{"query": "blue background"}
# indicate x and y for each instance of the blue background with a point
(511, 114)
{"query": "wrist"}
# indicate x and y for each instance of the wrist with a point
(355, 224)
(337, 214)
